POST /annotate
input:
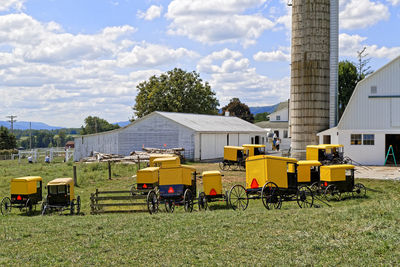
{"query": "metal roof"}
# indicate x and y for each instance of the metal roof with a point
(273, 124)
(211, 123)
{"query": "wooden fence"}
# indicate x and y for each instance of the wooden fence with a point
(116, 202)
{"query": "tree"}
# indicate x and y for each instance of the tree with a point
(7, 139)
(348, 78)
(238, 109)
(175, 91)
(261, 117)
(97, 125)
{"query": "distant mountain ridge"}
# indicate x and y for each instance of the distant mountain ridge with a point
(262, 109)
(24, 125)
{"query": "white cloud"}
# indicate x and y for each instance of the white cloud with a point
(45, 70)
(11, 4)
(358, 14)
(151, 13)
(394, 2)
(152, 55)
(282, 54)
(350, 44)
(232, 76)
(217, 21)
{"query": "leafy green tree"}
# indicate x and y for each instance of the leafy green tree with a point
(97, 125)
(261, 117)
(238, 109)
(348, 78)
(62, 136)
(7, 139)
(362, 65)
(175, 91)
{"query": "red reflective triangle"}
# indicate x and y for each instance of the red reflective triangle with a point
(254, 183)
(19, 197)
(171, 190)
(213, 192)
(145, 186)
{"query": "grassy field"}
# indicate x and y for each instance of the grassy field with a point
(354, 232)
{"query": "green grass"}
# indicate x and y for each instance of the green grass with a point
(356, 232)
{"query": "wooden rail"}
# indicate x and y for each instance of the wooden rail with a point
(116, 202)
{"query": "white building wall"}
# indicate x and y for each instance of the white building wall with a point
(283, 113)
(105, 143)
(364, 112)
(364, 154)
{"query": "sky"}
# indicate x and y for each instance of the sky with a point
(64, 60)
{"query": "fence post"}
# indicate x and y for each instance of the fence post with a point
(138, 162)
(109, 170)
(75, 177)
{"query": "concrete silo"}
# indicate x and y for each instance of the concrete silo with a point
(310, 73)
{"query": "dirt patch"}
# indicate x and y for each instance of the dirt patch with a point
(378, 172)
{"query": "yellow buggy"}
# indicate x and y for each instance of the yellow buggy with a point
(212, 189)
(273, 180)
(176, 186)
(61, 197)
(26, 193)
(326, 153)
(254, 149)
(234, 158)
(338, 179)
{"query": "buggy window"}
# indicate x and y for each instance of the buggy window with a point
(61, 189)
(38, 184)
(53, 190)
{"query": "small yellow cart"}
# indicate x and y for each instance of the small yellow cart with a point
(326, 153)
(273, 180)
(254, 149)
(338, 179)
(177, 186)
(26, 193)
(61, 197)
(234, 158)
(212, 186)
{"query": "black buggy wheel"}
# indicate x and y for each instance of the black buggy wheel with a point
(271, 196)
(359, 190)
(5, 206)
(203, 205)
(188, 200)
(223, 166)
(169, 205)
(238, 199)
(315, 188)
(332, 193)
(234, 166)
(152, 202)
(72, 207)
(305, 197)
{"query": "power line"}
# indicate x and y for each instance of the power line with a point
(12, 120)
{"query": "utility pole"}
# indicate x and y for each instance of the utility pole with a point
(12, 120)
(30, 135)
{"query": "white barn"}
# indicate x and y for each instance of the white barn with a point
(371, 121)
(202, 136)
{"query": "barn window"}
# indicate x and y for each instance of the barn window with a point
(369, 139)
(252, 140)
(285, 134)
(262, 140)
(374, 89)
(355, 139)
(227, 139)
(278, 117)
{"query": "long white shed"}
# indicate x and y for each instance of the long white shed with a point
(202, 136)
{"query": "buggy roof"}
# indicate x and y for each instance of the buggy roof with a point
(149, 169)
(61, 181)
(253, 145)
(235, 147)
(165, 159)
(292, 160)
(27, 179)
(340, 166)
(309, 163)
(206, 173)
